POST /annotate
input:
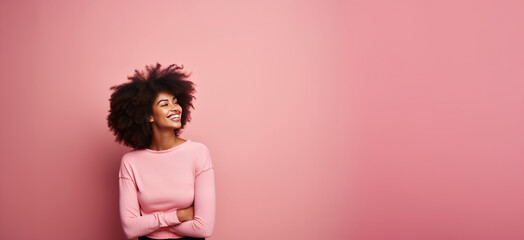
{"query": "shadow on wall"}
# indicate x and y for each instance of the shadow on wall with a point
(108, 164)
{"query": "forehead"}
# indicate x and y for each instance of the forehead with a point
(164, 95)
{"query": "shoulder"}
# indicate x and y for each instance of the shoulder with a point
(203, 160)
(198, 146)
(199, 150)
(131, 155)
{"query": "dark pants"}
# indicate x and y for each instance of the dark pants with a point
(184, 238)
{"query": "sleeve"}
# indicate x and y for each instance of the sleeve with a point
(134, 223)
(203, 221)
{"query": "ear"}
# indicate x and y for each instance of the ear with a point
(150, 119)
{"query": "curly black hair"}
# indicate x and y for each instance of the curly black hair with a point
(131, 103)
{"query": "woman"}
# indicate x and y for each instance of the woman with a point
(166, 184)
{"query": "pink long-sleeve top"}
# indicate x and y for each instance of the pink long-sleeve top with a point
(154, 184)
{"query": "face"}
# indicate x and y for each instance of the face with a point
(167, 113)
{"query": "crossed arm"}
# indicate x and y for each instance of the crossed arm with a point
(203, 222)
(181, 222)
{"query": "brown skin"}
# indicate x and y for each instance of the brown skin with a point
(185, 214)
(164, 135)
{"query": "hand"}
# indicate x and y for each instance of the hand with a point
(185, 214)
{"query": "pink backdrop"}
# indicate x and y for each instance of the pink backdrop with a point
(326, 119)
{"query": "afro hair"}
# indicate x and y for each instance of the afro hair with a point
(131, 103)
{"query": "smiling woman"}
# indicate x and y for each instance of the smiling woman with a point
(166, 114)
(167, 184)
(133, 103)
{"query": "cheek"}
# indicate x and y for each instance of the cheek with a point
(158, 113)
(161, 114)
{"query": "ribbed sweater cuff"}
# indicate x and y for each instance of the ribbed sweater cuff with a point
(171, 218)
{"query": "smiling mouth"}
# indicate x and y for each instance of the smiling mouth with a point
(174, 117)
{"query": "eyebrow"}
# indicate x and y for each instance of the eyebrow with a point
(164, 100)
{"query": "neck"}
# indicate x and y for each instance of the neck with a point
(163, 139)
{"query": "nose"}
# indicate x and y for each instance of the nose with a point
(175, 106)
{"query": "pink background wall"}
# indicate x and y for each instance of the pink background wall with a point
(326, 119)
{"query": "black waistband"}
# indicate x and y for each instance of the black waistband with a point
(183, 238)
